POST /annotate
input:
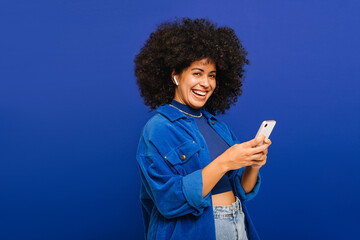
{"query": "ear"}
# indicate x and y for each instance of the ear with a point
(173, 78)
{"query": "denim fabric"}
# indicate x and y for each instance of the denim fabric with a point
(171, 155)
(214, 142)
(230, 222)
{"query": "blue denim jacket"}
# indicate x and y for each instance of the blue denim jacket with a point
(171, 155)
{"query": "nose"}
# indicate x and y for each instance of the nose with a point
(205, 82)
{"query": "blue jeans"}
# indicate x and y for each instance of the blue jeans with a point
(230, 222)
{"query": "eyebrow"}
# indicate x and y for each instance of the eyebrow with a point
(201, 70)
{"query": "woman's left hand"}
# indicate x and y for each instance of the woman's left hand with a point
(261, 162)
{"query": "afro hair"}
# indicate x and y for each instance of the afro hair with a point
(175, 45)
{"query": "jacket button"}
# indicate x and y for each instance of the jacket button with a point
(183, 157)
(212, 122)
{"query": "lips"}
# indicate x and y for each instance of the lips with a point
(199, 93)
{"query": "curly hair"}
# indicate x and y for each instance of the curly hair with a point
(175, 45)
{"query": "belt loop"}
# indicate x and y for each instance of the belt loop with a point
(234, 207)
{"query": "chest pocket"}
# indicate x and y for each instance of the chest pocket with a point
(185, 157)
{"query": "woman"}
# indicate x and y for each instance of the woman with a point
(195, 174)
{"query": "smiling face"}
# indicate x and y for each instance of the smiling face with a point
(196, 83)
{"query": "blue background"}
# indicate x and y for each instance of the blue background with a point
(71, 115)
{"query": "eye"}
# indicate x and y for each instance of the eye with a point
(212, 76)
(196, 74)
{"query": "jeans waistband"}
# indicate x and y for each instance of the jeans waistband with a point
(227, 211)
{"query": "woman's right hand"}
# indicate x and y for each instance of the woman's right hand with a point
(245, 154)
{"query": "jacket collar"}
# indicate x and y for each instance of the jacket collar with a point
(208, 115)
(174, 114)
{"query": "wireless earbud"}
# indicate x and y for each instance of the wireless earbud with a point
(176, 82)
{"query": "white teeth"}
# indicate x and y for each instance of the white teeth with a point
(200, 93)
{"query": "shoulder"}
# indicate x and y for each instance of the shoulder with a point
(157, 126)
(167, 120)
(161, 131)
(161, 135)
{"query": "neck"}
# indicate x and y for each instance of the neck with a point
(186, 109)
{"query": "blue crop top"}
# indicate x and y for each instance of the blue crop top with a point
(215, 143)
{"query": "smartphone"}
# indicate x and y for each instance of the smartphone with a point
(266, 128)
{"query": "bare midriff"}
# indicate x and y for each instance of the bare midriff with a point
(223, 199)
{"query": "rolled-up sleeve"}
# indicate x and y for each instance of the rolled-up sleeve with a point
(193, 191)
(235, 178)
